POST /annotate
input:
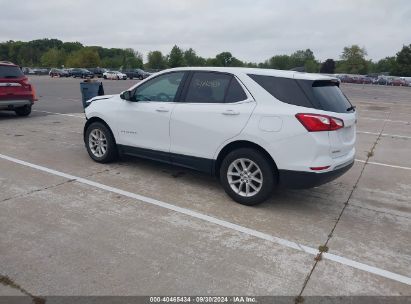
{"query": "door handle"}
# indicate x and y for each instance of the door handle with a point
(162, 109)
(230, 112)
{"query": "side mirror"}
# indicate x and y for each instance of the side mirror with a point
(126, 95)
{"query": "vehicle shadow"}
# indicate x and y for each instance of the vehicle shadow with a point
(197, 180)
(10, 115)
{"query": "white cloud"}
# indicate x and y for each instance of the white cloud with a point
(252, 30)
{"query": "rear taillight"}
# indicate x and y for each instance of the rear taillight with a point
(318, 123)
(33, 93)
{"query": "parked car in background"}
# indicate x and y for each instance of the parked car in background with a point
(114, 75)
(81, 73)
(59, 73)
(254, 129)
(364, 80)
(136, 73)
(375, 80)
(16, 93)
(346, 79)
(382, 81)
(98, 72)
(399, 82)
(40, 71)
(407, 80)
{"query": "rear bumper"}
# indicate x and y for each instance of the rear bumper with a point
(303, 179)
(11, 104)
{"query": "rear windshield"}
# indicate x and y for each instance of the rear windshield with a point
(10, 72)
(330, 97)
(322, 95)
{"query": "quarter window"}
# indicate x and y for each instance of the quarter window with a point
(161, 88)
(285, 89)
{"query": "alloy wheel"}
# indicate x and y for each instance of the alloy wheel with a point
(245, 177)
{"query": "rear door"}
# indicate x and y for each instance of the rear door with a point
(330, 98)
(13, 84)
(215, 108)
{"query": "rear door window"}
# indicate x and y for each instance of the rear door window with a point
(10, 72)
(208, 87)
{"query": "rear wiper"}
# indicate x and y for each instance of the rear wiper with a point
(352, 108)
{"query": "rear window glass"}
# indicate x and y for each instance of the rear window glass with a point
(330, 97)
(208, 87)
(322, 95)
(10, 72)
(284, 89)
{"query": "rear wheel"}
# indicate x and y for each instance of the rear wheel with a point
(247, 176)
(100, 143)
(23, 111)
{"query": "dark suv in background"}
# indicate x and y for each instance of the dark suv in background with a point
(59, 73)
(98, 72)
(136, 73)
(81, 73)
(16, 93)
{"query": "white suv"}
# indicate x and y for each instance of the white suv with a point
(255, 129)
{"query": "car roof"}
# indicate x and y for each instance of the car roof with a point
(8, 63)
(263, 72)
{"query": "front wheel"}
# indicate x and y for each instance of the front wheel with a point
(247, 176)
(100, 143)
(23, 111)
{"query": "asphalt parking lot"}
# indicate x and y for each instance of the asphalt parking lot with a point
(70, 226)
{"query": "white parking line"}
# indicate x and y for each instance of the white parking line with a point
(382, 119)
(223, 223)
(384, 134)
(382, 164)
(54, 113)
(377, 103)
(377, 111)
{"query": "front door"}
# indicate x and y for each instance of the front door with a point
(144, 122)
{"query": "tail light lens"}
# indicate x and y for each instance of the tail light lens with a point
(33, 93)
(318, 123)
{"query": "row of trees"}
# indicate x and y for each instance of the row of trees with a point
(352, 61)
(55, 53)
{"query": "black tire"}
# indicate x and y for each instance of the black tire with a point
(111, 152)
(23, 111)
(269, 176)
(141, 77)
(105, 77)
